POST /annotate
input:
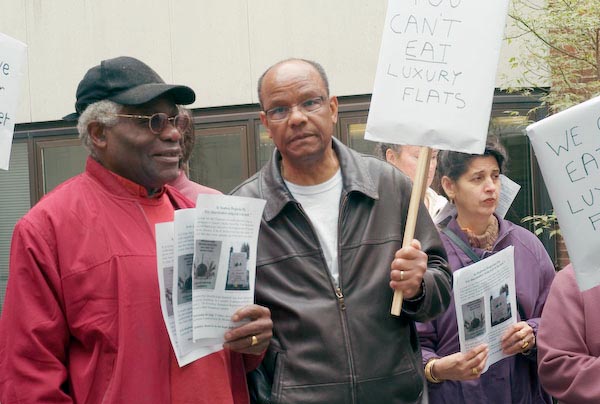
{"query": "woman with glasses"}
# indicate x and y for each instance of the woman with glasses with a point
(472, 183)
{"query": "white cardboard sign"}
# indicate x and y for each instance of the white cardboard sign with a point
(435, 77)
(567, 147)
(12, 70)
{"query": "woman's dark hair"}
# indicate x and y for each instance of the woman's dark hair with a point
(188, 140)
(453, 164)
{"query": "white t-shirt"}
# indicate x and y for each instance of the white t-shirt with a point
(321, 203)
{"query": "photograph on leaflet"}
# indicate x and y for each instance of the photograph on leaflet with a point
(206, 265)
(238, 276)
(184, 278)
(474, 319)
(500, 309)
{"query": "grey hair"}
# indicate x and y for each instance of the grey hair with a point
(102, 111)
(382, 148)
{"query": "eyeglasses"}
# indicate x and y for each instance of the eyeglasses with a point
(307, 107)
(157, 122)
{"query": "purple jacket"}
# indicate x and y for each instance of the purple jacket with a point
(513, 379)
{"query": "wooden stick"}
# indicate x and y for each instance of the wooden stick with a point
(418, 192)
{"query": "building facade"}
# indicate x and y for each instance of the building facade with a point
(219, 49)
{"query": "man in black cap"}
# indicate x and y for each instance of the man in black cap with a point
(82, 319)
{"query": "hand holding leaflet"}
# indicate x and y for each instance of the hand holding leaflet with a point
(486, 306)
(206, 269)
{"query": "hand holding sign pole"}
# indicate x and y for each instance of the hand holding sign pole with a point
(434, 84)
(416, 197)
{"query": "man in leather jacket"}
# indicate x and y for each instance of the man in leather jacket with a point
(330, 256)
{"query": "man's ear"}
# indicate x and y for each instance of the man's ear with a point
(97, 135)
(333, 106)
(263, 119)
(390, 156)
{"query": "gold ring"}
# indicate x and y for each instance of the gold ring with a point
(475, 371)
(254, 340)
(525, 344)
(401, 275)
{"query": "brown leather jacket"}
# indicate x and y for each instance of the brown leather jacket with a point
(341, 344)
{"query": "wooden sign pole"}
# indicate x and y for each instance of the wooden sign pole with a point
(418, 192)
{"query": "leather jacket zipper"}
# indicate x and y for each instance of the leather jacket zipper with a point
(338, 290)
(340, 296)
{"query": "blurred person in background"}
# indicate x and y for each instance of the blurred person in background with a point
(405, 158)
(183, 183)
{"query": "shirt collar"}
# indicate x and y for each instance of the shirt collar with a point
(138, 190)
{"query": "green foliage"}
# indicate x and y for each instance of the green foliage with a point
(543, 223)
(561, 46)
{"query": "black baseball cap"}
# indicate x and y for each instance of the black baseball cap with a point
(127, 81)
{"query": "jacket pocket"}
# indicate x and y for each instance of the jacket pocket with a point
(259, 386)
(402, 387)
(274, 364)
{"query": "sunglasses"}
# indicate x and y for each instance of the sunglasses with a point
(157, 122)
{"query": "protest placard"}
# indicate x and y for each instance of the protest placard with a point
(12, 71)
(567, 147)
(434, 84)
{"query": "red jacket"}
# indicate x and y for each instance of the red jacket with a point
(82, 320)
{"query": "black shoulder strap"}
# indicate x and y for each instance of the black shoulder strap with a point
(463, 246)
